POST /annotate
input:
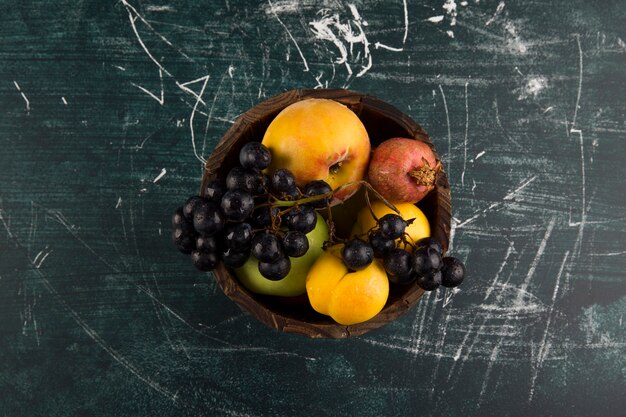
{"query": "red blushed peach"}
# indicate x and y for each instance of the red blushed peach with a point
(403, 170)
(319, 139)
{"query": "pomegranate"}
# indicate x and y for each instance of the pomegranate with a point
(403, 170)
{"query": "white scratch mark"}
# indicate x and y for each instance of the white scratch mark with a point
(435, 19)
(143, 190)
(43, 258)
(465, 139)
(23, 96)
(119, 202)
(159, 8)
(533, 87)
(479, 154)
(160, 100)
(119, 67)
(231, 71)
(580, 79)
(161, 175)
(64, 100)
(193, 113)
(450, 33)
(450, 7)
(541, 353)
(495, 15)
(583, 196)
(306, 65)
(108, 349)
(406, 21)
(449, 154)
(492, 359)
(523, 185)
(535, 262)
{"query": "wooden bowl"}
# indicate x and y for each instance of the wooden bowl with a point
(382, 121)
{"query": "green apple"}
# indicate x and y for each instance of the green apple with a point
(295, 282)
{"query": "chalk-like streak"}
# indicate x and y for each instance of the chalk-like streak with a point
(497, 204)
(102, 343)
(523, 185)
(406, 21)
(580, 79)
(496, 14)
(449, 155)
(535, 262)
(58, 217)
(193, 113)
(210, 114)
(541, 353)
(583, 192)
(439, 349)
(499, 122)
(435, 19)
(140, 40)
(161, 175)
(64, 100)
(479, 155)
(43, 258)
(492, 359)
(465, 139)
(161, 99)
(23, 96)
(463, 344)
(129, 7)
(306, 65)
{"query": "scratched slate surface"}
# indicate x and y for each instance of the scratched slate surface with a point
(108, 108)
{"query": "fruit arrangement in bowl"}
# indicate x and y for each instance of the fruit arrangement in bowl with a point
(322, 212)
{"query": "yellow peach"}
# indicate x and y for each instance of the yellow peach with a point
(420, 228)
(319, 139)
(347, 297)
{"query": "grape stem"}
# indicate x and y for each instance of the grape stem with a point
(368, 186)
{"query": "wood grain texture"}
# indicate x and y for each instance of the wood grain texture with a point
(109, 110)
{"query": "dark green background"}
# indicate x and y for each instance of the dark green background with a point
(99, 315)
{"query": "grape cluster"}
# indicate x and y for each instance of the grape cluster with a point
(240, 217)
(425, 265)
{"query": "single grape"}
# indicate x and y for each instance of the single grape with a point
(276, 270)
(208, 218)
(237, 205)
(381, 244)
(282, 181)
(206, 244)
(190, 205)
(429, 281)
(214, 190)
(236, 179)
(357, 254)
(301, 218)
(425, 260)
(184, 237)
(262, 216)
(235, 259)
(397, 263)
(205, 261)
(452, 272)
(256, 183)
(315, 188)
(178, 217)
(254, 155)
(295, 243)
(266, 247)
(238, 236)
(391, 226)
(291, 195)
(431, 243)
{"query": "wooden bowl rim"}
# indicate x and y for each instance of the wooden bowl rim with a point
(243, 297)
